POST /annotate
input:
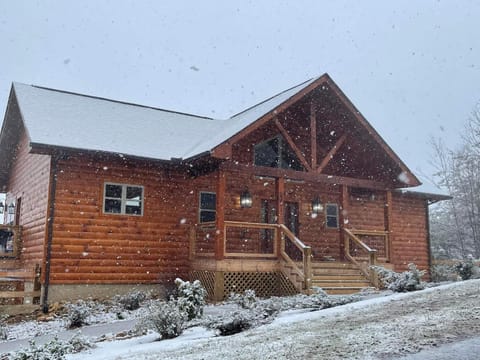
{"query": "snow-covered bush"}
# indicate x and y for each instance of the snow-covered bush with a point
(53, 350)
(466, 268)
(132, 300)
(247, 300)
(443, 272)
(164, 318)
(77, 314)
(190, 297)
(80, 343)
(243, 319)
(401, 282)
(233, 323)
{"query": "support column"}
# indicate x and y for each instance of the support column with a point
(388, 224)
(280, 192)
(313, 135)
(343, 217)
(220, 217)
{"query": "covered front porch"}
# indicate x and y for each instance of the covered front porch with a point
(276, 235)
(286, 268)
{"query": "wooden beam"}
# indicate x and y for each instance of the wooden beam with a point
(280, 193)
(313, 135)
(343, 217)
(220, 217)
(302, 92)
(388, 223)
(413, 181)
(302, 175)
(294, 147)
(331, 153)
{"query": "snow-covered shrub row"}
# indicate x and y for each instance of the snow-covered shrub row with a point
(253, 312)
(410, 280)
(190, 297)
(132, 300)
(53, 350)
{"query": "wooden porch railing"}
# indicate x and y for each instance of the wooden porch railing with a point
(10, 241)
(305, 271)
(371, 255)
(375, 239)
(13, 301)
(249, 240)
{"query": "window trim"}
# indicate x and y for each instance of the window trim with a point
(200, 209)
(336, 216)
(123, 199)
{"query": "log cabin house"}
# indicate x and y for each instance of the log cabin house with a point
(294, 192)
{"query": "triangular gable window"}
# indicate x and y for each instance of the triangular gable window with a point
(276, 153)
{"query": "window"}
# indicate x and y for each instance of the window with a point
(276, 153)
(207, 207)
(123, 199)
(331, 216)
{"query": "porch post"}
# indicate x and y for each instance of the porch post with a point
(313, 135)
(388, 224)
(342, 217)
(220, 218)
(280, 192)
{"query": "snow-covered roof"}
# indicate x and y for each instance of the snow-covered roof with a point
(63, 119)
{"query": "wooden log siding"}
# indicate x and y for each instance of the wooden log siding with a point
(324, 242)
(409, 233)
(367, 212)
(92, 247)
(29, 179)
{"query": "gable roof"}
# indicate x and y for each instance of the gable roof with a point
(64, 119)
(60, 119)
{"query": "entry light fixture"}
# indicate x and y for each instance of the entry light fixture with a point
(246, 199)
(317, 206)
(2, 207)
(11, 208)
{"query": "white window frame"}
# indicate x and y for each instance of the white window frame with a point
(123, 199)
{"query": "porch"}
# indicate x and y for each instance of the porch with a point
(270, 259)
(19, 286)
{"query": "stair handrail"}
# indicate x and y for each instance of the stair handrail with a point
(372, 255)
(306, 273)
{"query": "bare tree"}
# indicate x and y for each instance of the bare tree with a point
(456, 224)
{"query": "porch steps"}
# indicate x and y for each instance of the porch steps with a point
(338, 277)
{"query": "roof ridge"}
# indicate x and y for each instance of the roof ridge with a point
(274, 96)
(115, 101)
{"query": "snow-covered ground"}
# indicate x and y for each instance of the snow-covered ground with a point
(379, 328)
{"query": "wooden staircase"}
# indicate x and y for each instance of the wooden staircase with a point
(338, 277)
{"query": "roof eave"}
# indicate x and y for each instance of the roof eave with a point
(430, 197)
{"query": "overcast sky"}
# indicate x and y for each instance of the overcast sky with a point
(411, 68)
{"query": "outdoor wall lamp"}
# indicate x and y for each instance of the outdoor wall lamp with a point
(317, 206)
(2, 207)
(11, 208)
(246, 199)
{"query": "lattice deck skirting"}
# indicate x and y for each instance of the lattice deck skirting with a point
(220, 285)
